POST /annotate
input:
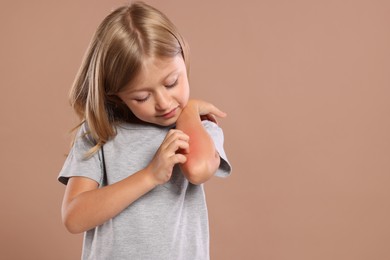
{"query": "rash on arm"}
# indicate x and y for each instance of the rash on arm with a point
(202, 157)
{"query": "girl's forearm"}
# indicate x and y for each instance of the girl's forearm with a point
(92, 208)
(202, 158)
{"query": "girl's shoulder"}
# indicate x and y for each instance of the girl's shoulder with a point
(83, 140)
(84, 135)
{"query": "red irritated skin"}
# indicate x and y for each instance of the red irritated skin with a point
(202, 158)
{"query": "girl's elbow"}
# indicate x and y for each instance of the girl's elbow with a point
(72, 228)
(202, 171)
(198, 179)
(69, 226)
(71, 223)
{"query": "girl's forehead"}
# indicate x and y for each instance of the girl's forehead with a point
(161, 63)
(156, 70)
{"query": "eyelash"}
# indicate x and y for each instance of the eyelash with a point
(142, 100)
(169, 86)
(172, 85)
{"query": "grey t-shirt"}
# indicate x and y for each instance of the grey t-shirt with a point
(169, 222)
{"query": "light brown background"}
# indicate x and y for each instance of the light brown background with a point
(305, 83)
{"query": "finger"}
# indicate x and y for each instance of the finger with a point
(183, 151)
(209, 117)
(176, 133)
(176, 145)
(217, 112)
(173, 131)
(173, 136)
(174, 142)
(178, 158)
(209, 108)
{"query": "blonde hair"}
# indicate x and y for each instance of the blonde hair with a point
(114, 57)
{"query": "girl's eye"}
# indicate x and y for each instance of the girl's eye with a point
(141, 100)
(172, 85)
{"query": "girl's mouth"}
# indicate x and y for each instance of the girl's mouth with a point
(170, 114)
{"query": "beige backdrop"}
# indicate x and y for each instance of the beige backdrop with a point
(305, 83)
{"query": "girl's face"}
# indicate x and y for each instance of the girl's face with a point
(160, 91)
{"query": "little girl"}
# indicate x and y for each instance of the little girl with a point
(134, 176)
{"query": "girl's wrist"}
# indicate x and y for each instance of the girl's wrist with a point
(150, 178)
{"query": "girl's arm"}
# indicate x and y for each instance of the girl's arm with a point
(86, 206)
(202, 158)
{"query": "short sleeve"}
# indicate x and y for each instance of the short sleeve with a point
(77, 164)
(216, 134)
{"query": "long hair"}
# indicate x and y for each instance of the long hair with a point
(113, 59)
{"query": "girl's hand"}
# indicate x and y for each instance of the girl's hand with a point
(205, 110)
(170, 153)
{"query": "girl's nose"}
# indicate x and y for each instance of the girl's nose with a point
(163, 100)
